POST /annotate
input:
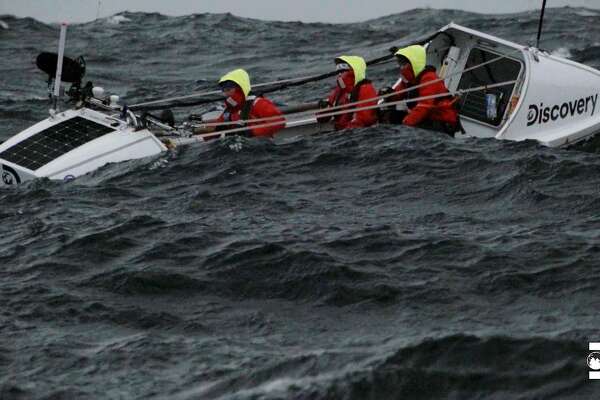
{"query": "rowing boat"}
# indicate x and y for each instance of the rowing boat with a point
(507, 91)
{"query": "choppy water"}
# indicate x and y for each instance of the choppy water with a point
(383, 263)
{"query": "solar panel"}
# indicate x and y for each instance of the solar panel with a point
(51, 143)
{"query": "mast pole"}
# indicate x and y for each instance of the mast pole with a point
(59, 64)
(541, 24)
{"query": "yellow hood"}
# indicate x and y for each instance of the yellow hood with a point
(417, 55)
(240, 77)
(358, 65)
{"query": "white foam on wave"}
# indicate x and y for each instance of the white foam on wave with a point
(20, 95)
(562, 52)
(117, 19)
(587, 13)
(3, 25)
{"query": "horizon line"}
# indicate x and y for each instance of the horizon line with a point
(84, 20)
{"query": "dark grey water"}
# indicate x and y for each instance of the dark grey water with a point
(383, 263)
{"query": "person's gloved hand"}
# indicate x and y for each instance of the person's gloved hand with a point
(385, 90)
(323, 103)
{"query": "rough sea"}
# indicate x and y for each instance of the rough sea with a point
(381, 263)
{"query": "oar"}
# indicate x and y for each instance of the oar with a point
(146, 104)
(327, 113)
(159, 105)
(276, 86)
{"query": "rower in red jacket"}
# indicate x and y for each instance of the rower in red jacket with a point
(241, 106)
(352, 86)
(437, 113)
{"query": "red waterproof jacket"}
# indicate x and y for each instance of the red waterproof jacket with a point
(438, 109)
(364, 90)
(258, 107)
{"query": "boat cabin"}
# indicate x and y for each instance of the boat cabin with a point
(552, 100)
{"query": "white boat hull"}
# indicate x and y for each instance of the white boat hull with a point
(71, 144)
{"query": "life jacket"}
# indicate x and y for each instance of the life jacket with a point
(253, 107)
(244, 113)
(257, 107)
(414, 94)
(441, 108)
(353, 94)
(362, 118)
(356, 90)
(247, 107)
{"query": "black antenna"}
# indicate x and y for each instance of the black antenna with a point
(541, 25)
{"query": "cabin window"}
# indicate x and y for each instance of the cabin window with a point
(487, 106)
(51, 143)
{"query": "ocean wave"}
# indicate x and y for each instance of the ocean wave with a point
(117, 19)
(465, 366)
(379, 263)
(563, 52)
(458, 366)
